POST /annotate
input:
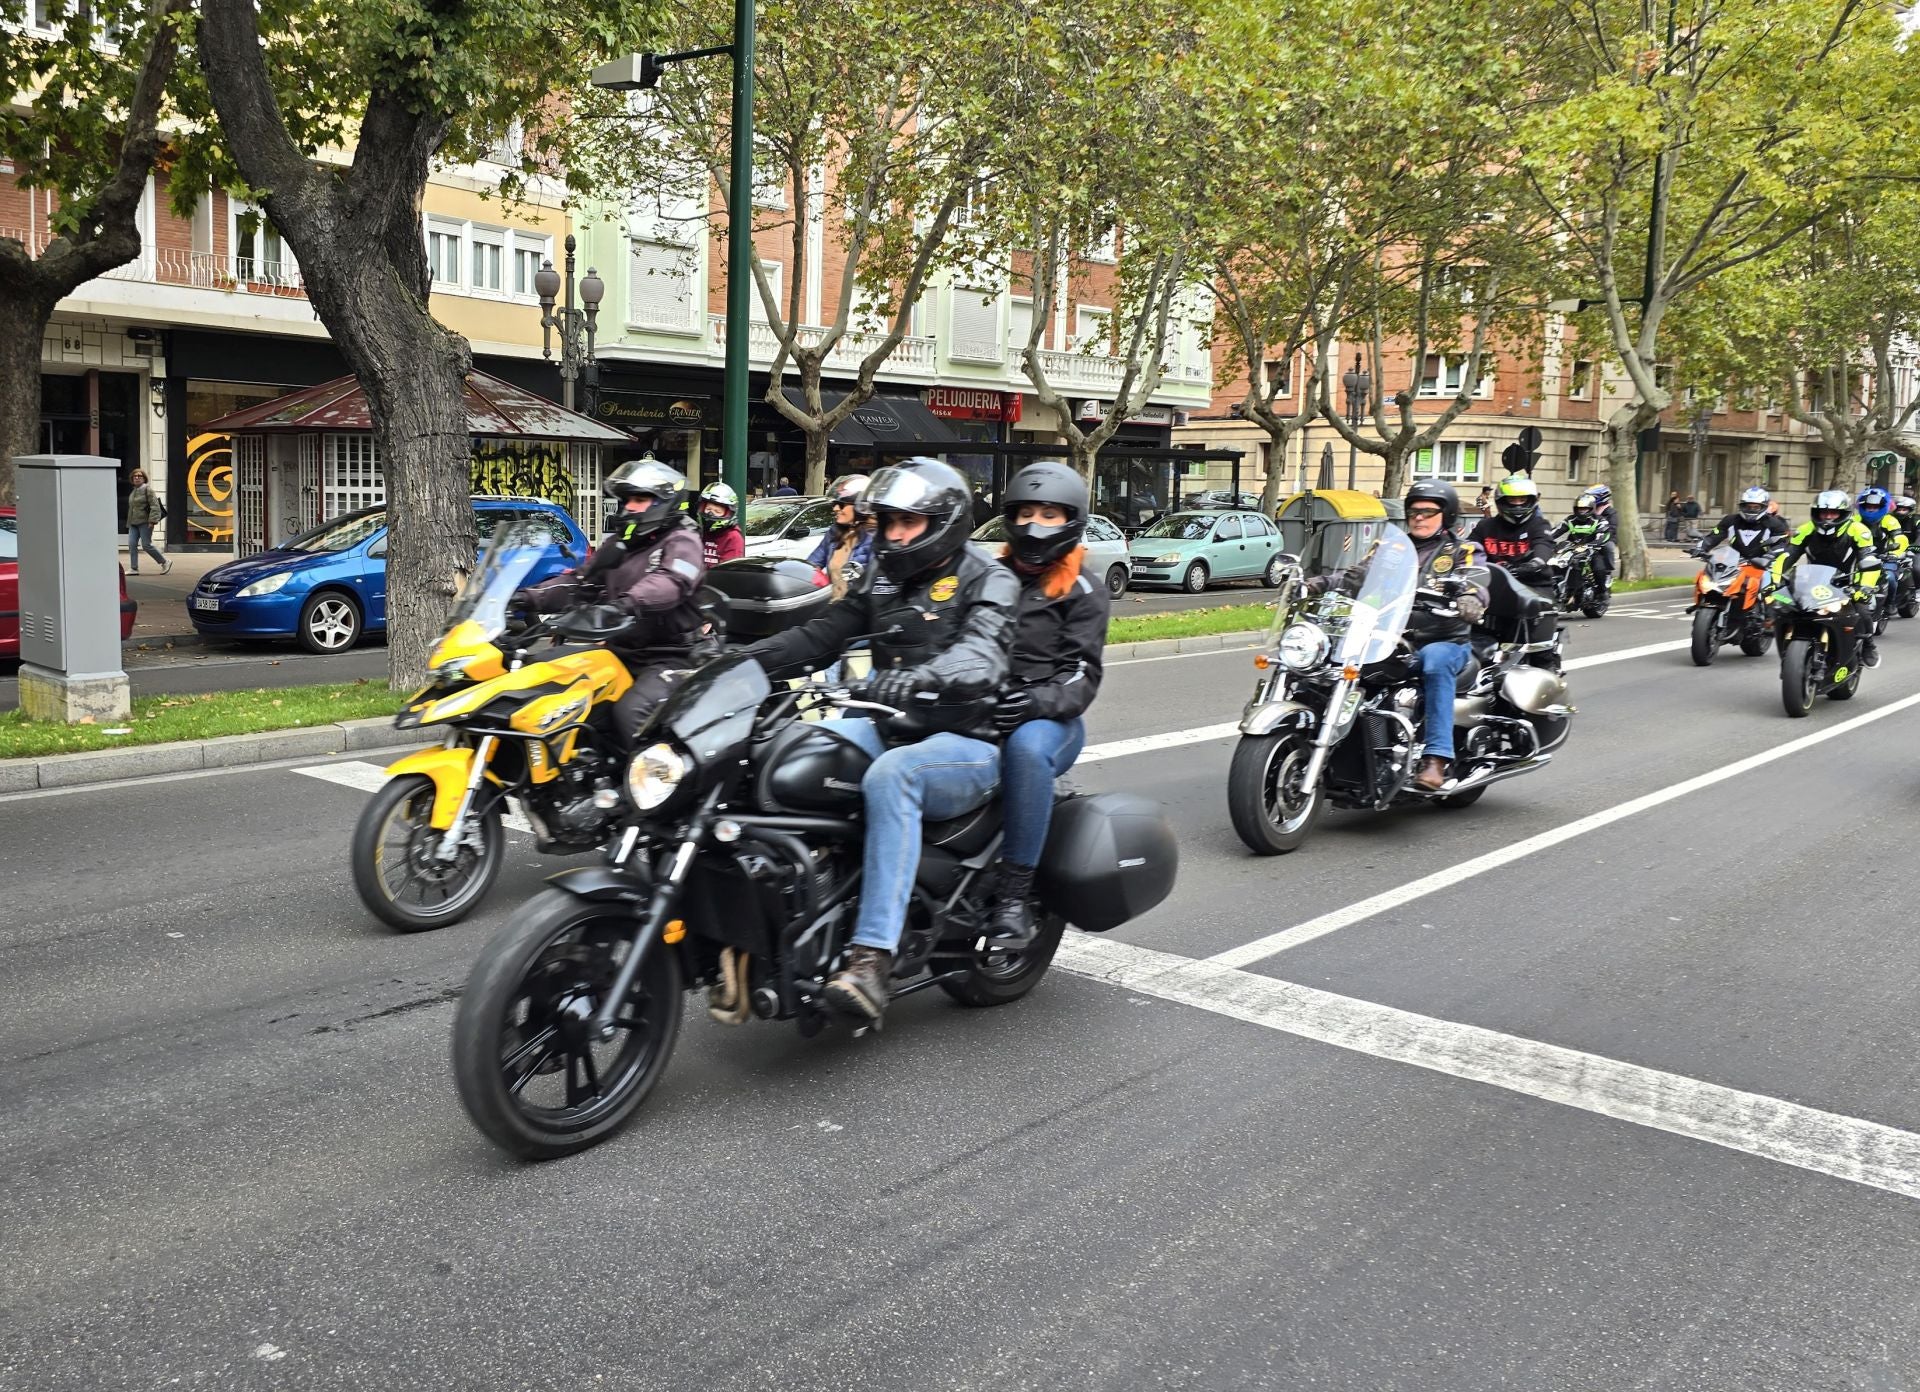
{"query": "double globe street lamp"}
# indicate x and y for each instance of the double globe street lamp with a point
(576, 326)
(1359, 388)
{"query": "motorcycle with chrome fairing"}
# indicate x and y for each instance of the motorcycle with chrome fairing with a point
(738, 870)
(1335, 718)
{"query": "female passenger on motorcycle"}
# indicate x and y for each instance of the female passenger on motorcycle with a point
(720, 537)
(941, 619)
(1058, 638)
(847, 547)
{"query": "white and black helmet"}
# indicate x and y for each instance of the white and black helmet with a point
(1754, 503)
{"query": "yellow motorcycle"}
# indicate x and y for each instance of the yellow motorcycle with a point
(429, 843)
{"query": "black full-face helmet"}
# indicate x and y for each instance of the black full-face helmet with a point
(661, 491)
(929, 489)
(1045, 481)
(1436, 493)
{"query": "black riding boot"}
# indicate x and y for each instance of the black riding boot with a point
(1010, 920)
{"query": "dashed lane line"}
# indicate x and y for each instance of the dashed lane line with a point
(1848, 1148)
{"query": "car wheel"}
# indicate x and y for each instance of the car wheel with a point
(1117, 581)
(1195, 580)
(329, 622)
(1273, 574)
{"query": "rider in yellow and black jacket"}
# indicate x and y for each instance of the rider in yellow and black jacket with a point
(1833, 536)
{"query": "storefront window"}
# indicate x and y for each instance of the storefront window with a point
(209, 462)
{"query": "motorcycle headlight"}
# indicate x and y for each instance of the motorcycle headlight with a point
(653, 776)
(454, 668)
(1303, 645)
(266, 586)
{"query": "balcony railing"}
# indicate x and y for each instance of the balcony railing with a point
(911, 354)
(200, 269)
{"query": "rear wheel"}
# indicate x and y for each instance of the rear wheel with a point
(1846, 689)
(999, 977)
(397, 869)
(1272, 809)
(1755, 635)
(1705, 640)
(1796, 678)
(529, 1072)
(1909, 602)
(1117, 580)
(1195, 580)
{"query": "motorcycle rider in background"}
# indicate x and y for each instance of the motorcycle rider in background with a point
(1591, 522)
(1889, 539)
(1517, 537)
(1753, 529)
(720, 537)
(943, 618)
(650, 565)
(1833, 536)
(847, 547)
(1440, 642)
(1059, 635)
(1907, 513)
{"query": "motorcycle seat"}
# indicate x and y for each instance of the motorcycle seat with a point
(1468, 674)
(968, 834)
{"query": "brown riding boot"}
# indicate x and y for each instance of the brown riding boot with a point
(1434, 772)
(860, 987)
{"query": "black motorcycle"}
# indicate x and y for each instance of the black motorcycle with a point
(1808, 612)
(738, 871)
(1577, 582)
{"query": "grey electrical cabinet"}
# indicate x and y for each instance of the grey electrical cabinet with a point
(69, 587)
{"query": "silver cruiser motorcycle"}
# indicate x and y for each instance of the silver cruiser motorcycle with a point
(1336, 715)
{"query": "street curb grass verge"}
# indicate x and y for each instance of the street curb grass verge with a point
(187, 756)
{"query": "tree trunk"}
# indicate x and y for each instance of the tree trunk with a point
(1623, 477)
(1274, 461)
(1393, 474)
(23, 326)
(817, 442)
(1082, 455)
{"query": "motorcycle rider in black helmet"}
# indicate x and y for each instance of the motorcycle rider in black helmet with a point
(1440, 641)
(1058, 639)
(943, 619)
(650, 564)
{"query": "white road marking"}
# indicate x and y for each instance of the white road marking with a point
(1261, 948)
(1623, 654)
(1146, 744)
(368, 778)
(1861, 1152)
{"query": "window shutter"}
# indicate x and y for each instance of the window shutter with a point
(974, 325)
(662, 288)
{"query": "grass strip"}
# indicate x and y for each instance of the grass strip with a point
(1189, 623)
(1659, 582)
(158, 719)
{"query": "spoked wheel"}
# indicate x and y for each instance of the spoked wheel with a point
(1272, 808)
(329, 623)
(998, 977)
(397, 867)
(530, 1073)
(1706, 638)
(1797, 680)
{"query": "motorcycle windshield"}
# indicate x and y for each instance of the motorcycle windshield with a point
(1815, 586)
(712, 712)
(1380, 610)
(1724, 561)
(510, 555)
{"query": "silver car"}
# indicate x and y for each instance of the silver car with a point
(790, 527)
(1106, 550)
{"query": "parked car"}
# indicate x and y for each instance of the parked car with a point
(1221, 499)
(1106, 550)
(786, 526)
(1194, 549)
(10, 589)
(328, 587)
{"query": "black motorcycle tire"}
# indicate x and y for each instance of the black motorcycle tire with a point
(1756, 644)
(1596, 601)
(481, 1029)
(1705, 641)
(1796, 678)
(1846, 690)
(367, 848)
(1247, 795)
(1909, 602)
(1002, 978)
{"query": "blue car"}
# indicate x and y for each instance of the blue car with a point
(328, 586)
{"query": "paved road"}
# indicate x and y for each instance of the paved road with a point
(1636, 1108)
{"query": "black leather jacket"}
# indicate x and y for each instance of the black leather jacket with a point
(1058, 642)
(952, 625)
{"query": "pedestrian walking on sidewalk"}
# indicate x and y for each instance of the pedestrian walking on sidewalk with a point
(1673, 515)
(144, 510)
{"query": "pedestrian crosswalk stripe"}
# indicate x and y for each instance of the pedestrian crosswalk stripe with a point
(369, 778)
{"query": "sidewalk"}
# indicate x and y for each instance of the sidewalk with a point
(163, 598)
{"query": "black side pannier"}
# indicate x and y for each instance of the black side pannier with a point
(1109, 858)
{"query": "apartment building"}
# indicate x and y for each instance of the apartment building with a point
(1705, 449)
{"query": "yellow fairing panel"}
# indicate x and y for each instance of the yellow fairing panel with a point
(449, 769)
(606, 676)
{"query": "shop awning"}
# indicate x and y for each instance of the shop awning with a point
(892, 424)
(495, 409)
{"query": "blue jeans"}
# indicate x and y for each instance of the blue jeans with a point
(1034, 755)
(940, 777)
(140, 537)
(1440, 666)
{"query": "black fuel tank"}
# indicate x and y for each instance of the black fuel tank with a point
(810, 767)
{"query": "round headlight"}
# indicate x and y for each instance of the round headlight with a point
(653, 775)
(1303, 645)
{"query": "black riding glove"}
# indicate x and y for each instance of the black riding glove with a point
(893, 688)
(1013, 710)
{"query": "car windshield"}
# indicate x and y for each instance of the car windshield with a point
(9, 539)
(1182, 526)
(511, 553)
(766, 516)
(341, 534)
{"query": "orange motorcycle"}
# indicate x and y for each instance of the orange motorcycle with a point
(1727, 607)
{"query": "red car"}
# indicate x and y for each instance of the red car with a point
(10, 590)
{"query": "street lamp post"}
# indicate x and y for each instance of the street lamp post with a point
(642, 71)
(576, 326)
(1359, 388)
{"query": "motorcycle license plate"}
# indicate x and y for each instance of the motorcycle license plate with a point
(200, 603)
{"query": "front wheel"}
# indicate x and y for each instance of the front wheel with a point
(530, 1074)
(1272, 808)
(1594, 600)
(1705, 640)
(1909, 602)
(1274, 573)
(1116, 580)
(1195, 580)
(1000, 978)
(1796, 678)
(329, 623)
(397, 867)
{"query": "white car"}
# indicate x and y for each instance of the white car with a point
(789, 527)
(1106, 550)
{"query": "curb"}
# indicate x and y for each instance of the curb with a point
(185, 756)
(1167, 647)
